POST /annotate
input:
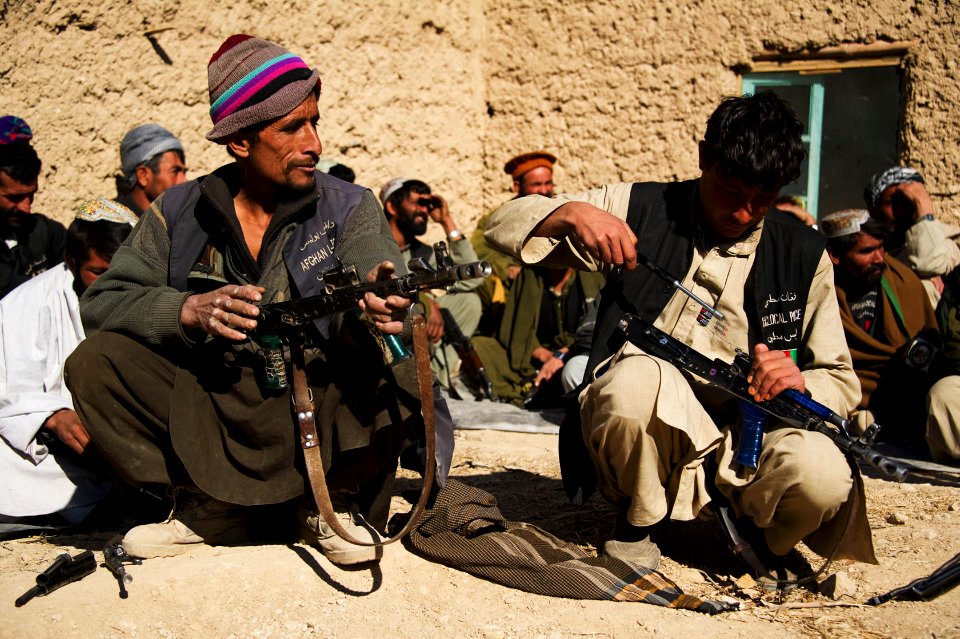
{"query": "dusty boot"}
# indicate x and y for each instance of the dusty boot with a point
(315, 531)
(196, 519)
(632, 543)
(643, 551)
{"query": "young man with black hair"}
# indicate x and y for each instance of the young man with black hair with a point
(31, 242)
(658, 437)
(894, 337)
(42, 474)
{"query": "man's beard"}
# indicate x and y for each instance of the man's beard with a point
(13, 221)
(410, 226)
(297, 187)
(872, 274)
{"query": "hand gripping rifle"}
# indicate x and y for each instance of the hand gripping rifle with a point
(343, 289)
(790, 406)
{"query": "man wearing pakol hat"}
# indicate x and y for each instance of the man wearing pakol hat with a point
(898, 196)
(894, 340)
(172, 386)
(32, 242)
(408, 205)
(656, 441)
(151, 160)
(43, 478)
(532, 174)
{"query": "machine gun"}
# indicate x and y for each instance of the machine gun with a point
(943, 579)
(470, 360)
(790, 406)
(65, 569)
(343, 289)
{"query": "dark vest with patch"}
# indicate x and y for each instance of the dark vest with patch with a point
(775, 297)
(659, 214)
(309, 251)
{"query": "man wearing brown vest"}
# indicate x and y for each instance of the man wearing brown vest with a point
(173, 381)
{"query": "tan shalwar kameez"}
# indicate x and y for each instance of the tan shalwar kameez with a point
(649, 427)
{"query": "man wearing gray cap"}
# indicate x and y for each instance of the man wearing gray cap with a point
(175, 386)
(152, 160)
(893, 337)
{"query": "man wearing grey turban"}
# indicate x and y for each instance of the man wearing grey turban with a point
(898, 196)
(152, 160)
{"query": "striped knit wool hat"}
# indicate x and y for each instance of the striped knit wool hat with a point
(253, 80)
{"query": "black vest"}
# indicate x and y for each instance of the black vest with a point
(307, 253)
(660, 216)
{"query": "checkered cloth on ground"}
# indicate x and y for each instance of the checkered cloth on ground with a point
(466, 530)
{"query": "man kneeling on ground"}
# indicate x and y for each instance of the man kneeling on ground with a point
(172, 387)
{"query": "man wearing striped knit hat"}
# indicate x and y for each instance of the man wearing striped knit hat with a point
(174, 384)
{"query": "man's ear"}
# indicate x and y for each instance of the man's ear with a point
(700, 159)
(71, 265)
(389, 209)
(516, 186)
(144, 176)
(835, 260)
(239, 145)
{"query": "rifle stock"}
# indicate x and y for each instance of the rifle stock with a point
(470, 360)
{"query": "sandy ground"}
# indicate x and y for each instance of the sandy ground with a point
(293, 591)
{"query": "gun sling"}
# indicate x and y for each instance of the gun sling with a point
(310, 442)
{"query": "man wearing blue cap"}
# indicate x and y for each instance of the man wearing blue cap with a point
(152, 160)
(32, 242)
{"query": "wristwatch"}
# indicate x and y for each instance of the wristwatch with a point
(925, 218)
(454, 235)
(559, 355)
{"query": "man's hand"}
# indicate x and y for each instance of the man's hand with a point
(435, 326)
(910, 201)
(772, 373)
(225, 312)
(65, 424)
(387, 314)
(439, 211)
(605, 237)
(549, 364)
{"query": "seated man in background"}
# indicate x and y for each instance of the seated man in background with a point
(544, 311)
(532, 174)
(794, 205)
(30, 243)
(893, 337)
(408, 205)
(337, 170)
(42, 471)
(899, 197)
(152, 160)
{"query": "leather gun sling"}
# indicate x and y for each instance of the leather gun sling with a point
(310, 442)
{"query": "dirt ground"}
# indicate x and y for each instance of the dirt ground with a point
(293, 591)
